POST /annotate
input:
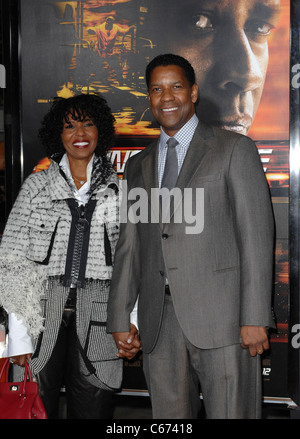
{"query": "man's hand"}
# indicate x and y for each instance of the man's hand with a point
(255, 339)
(128, 343)
(20, 359)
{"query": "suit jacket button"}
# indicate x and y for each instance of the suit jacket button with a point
(161, 273)
(165, 236)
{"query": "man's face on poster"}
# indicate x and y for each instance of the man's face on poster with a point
(227, 43)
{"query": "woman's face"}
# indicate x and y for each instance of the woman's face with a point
(79, 138)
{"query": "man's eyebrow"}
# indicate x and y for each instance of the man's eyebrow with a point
(268, 8)
(154, 84)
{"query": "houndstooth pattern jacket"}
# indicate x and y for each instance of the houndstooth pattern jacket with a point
(30, 280)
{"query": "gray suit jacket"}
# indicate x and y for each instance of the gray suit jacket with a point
(221, 278)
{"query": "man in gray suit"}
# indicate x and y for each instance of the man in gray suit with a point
(203, 290)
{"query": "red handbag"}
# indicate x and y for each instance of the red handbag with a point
(20, 400)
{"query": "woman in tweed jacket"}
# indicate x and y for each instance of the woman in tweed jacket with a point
(56, 262)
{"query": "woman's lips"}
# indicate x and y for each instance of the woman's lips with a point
(81, 144)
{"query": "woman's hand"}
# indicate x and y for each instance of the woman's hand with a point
(128, 343)
(20, 359)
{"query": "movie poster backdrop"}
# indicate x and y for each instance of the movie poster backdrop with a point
(242, 69)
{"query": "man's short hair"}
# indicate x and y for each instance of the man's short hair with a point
(170, 59)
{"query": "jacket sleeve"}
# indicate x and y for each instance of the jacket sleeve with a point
(15, 237)
(21, 281)
(18, 340)
(126, 273)
(254, 223)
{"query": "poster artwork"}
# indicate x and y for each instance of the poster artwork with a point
(240, 51)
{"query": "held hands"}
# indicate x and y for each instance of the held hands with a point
(128, 343)
(255, 339)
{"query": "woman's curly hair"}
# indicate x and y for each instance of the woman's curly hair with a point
(78, 107)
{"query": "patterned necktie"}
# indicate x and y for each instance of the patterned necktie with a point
(171, 167)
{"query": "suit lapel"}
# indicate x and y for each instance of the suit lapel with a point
(150, 177)
(198, 148)
(201, 143)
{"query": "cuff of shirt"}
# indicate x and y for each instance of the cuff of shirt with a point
(18, 340)
(133, 315)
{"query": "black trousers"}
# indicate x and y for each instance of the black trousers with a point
(84, 401)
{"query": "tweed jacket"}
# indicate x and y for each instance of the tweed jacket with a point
(32, 264)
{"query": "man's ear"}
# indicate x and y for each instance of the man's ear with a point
(194, 93)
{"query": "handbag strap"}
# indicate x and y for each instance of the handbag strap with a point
(5, 367)
(27, 373)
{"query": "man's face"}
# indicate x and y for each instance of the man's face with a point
(109, 24)
(226, 41)
(171, 98)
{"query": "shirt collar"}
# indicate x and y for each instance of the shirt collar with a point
(184, 135)
(65, 166)
(80, 194)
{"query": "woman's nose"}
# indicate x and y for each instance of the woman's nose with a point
(80, 129)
